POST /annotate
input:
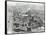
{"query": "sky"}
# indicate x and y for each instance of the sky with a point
(37, 5)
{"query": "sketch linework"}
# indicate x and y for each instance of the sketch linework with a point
(25, 17)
